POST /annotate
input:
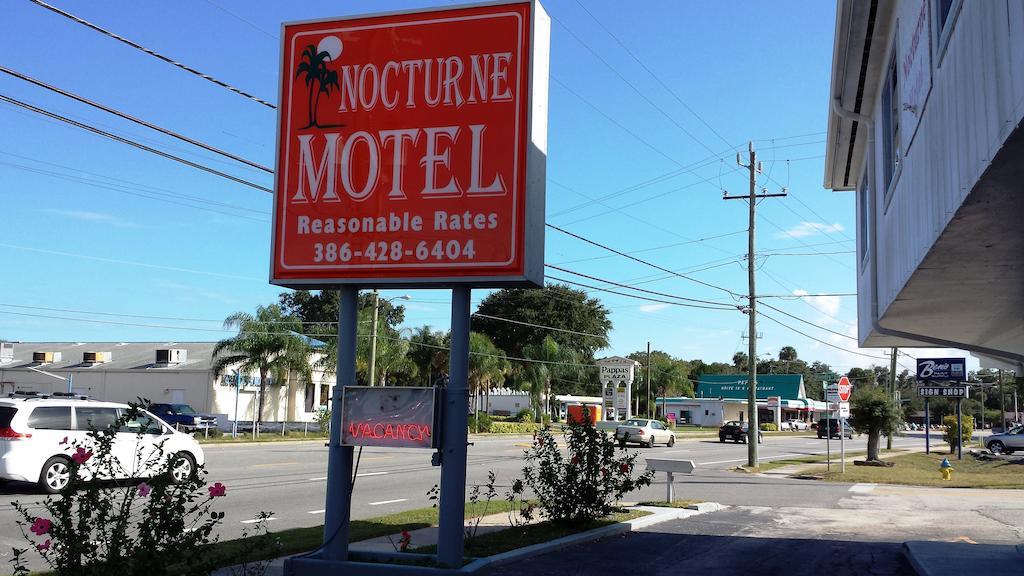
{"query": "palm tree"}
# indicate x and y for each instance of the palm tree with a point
(554, 361)
(487, 366)
(429, 352)
(269, 342)
(314, 66)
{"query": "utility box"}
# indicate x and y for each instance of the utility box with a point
(575, 412)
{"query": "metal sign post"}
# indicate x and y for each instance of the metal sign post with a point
(842, 445)
(828, 439)
(339, 457)
(451, 519)
(927, 429)
(959, 430)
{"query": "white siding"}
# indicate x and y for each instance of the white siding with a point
(976, 100)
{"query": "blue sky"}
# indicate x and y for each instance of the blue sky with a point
(87, 224)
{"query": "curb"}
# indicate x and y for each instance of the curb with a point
(658, 516)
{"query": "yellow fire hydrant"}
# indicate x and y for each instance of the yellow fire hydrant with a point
(947, 469)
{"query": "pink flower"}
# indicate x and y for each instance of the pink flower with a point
(575, 460)
(64, 441)
(217, 489)
(624, 468)
(41, 526)
(403, 544)
(43, 546)
(144, 489)
(81, 455)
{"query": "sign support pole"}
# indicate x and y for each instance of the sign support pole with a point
(454, 438)
(927, 429)
(959, 430)
(828, 439)
(842, 444)
(339, 458)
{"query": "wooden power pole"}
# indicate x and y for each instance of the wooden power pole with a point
(754, 167)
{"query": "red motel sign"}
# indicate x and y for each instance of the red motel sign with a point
(411, 149)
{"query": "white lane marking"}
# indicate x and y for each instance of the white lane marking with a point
(255, 520)
(316, 511)
(370, 474)
(862, 488)
(319, 478)
(387, 502)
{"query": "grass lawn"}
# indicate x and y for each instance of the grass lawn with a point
(491, 543)
(922, 469)
(815, 459)
(264, 437)
(295, 540)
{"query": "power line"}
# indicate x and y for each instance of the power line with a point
(620, 285)
(635, 259)
(673, 303)
(153, 53)
(808, 322)
(804, 334)
(131, 118)
(511, 321)
(133, 143)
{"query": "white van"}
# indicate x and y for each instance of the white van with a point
(38, 435)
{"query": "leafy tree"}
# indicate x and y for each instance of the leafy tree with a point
(668, 374)
(873, 411)
(321, 308)
(270, 342)
(428, 351)
(487, 366)
(554, 361)
(739, 362)
(787, 354)
(583, 322)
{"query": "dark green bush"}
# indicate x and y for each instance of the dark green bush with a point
(514, 427)
(769, 427)
(480, 422)
(524, 415)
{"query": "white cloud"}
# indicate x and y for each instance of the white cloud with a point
(96, 217)
(805, 229)
(648, 308)
(827, 305)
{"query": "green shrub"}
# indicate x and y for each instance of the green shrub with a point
(481, 422)
(769, 427)
(524, 415)
(323, 420)
(583, 484)
(546, 420)
(949, 434)
(514, 427)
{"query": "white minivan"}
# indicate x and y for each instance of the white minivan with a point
(38, 435)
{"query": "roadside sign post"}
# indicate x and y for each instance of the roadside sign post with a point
(934, 372)
(838, 397)
(411, 152)
(238, 385)
(959, 430)
(927, 429)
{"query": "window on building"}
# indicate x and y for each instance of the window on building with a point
(890, 125)
(943, 8)
(945, 12)
(864, 220)
(50, 418)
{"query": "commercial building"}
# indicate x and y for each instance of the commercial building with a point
(925, 113)
(723, 397)
(162, 372)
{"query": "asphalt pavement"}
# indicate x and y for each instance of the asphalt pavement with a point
(289, 479)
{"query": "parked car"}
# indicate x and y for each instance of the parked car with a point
(36, 434)
(794, 424)
(1006, 443)
(644, 432)
(183, 417)
(737, 432)
(832, 425)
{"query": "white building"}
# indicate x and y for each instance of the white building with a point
(162, 372)
(927, 99)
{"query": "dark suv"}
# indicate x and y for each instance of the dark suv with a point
(832, 425)
(183, 417)
(736, 431)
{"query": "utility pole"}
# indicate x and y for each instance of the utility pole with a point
(752, 427)
(373, 339)
(892, 393)
(1002, 402)
(649, 413)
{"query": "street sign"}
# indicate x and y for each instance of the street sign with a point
(942, 391)
(773, 402)
(832, 392)
(942, 369)
(388, 416)
(411, 149)
(842, 409)
(845, 389)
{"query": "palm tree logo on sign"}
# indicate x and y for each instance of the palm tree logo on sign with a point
(319, 78)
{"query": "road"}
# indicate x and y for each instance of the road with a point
(289, 478)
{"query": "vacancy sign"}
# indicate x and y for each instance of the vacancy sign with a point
(411, 149)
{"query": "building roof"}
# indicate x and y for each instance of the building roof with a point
(734, 386)
(123, 355)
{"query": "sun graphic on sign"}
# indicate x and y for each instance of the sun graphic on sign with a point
(319, 78)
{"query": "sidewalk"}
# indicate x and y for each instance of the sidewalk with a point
(954, 559)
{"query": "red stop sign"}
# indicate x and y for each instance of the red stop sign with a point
(845, 389)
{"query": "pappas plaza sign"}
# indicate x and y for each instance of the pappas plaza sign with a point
(411, 149)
